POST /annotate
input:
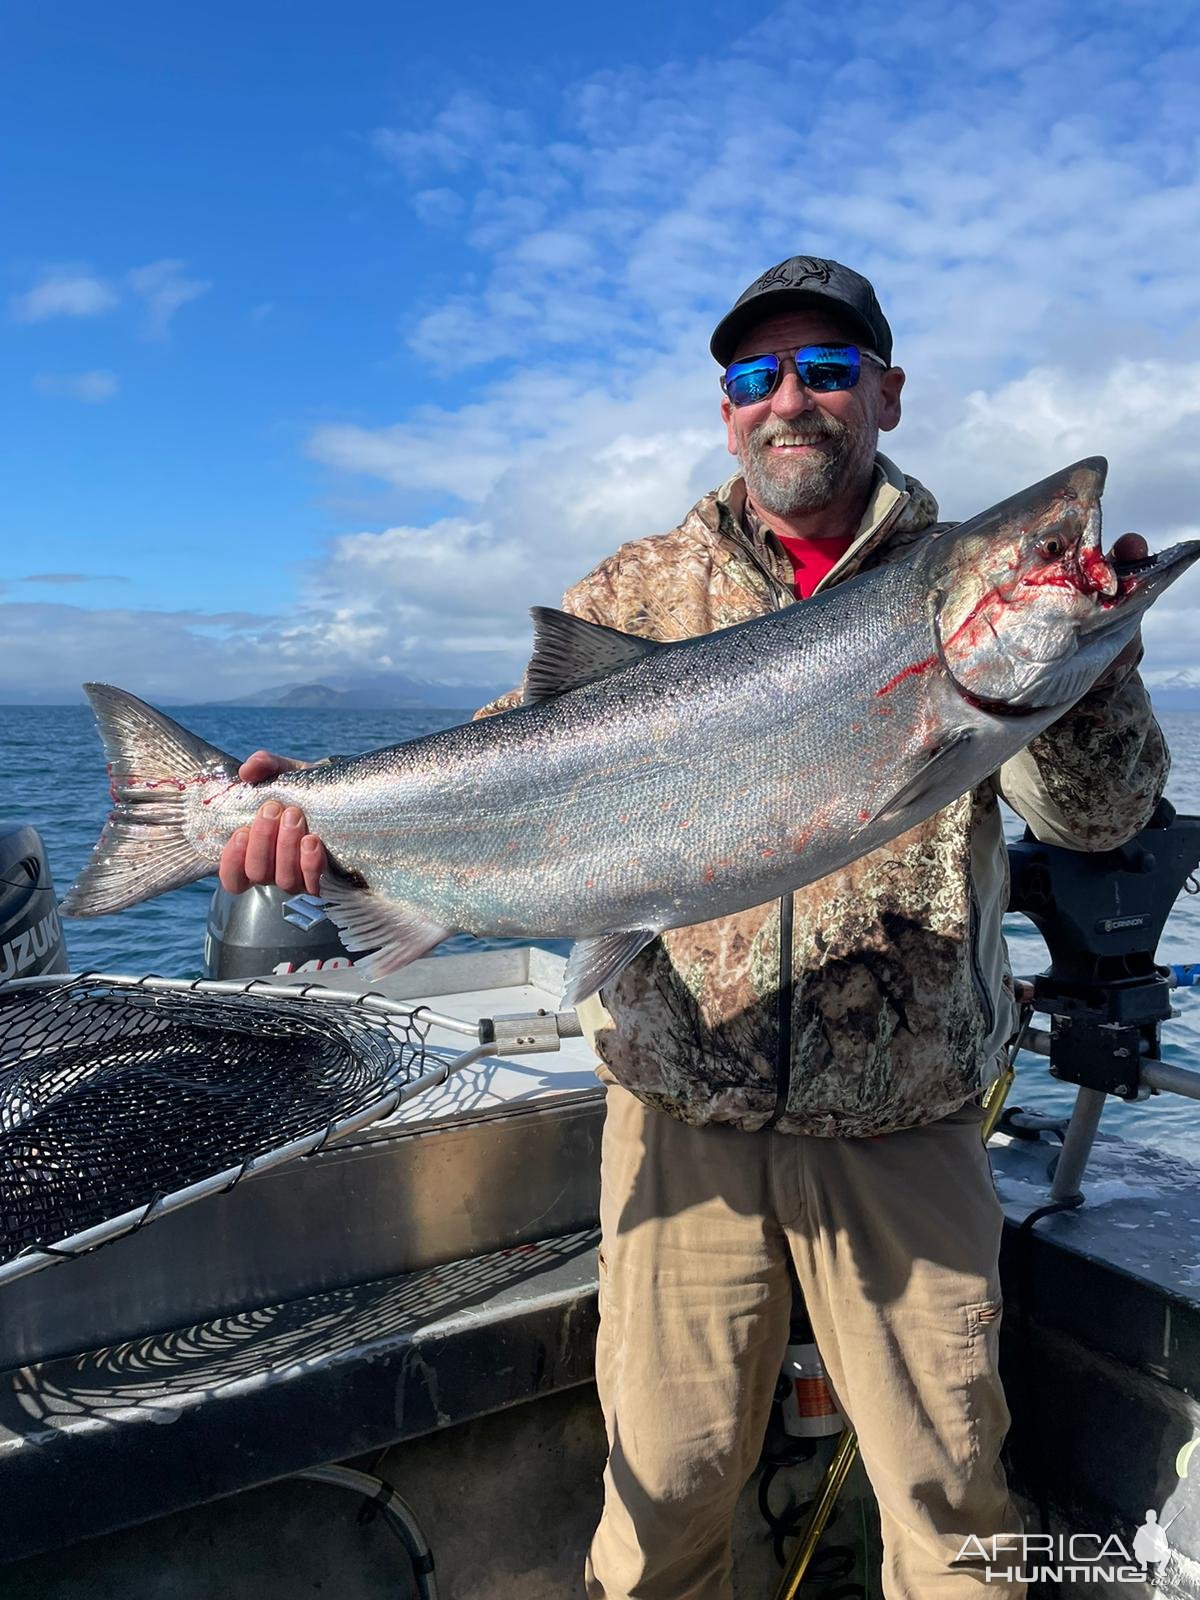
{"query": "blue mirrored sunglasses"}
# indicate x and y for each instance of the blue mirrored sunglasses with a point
(823, 368)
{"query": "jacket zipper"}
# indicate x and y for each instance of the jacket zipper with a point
(783, 1064)
(775, 588)
(982, 992)
(783, 1061)
(784, 998)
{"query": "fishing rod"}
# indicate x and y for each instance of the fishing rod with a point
(1101, 914)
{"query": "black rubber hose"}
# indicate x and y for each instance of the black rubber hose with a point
(830, 1563)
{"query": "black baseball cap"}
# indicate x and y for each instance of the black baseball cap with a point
(805, 281)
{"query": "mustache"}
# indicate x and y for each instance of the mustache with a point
(816, 425)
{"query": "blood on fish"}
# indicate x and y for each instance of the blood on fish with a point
(1050, 580)
(709, 874)
(1096, 570)
(908, 672)
(972, 616)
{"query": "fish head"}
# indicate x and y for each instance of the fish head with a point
(1029, 609)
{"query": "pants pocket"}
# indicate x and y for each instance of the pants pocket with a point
(984, 1315)
(987, 1412)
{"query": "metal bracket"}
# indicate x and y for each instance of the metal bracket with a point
(1100, 1055)
(530, 1032)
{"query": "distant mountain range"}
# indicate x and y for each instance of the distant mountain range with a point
(381, 692)
(1178, 692)
(392, 692)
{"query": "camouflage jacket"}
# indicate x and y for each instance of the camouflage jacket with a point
(900, 998)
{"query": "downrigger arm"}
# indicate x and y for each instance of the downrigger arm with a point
(1102, 914)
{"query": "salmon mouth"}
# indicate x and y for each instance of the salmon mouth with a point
(1142, 579)
(1164, 564)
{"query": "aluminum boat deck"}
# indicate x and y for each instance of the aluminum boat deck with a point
(413, 1287)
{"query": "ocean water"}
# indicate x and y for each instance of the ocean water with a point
(54, 777)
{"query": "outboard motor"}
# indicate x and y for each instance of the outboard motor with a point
(31, 938)
(248, 937)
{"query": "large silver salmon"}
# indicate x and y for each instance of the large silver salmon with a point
(649, 786)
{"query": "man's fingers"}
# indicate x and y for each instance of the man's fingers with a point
(232, 871)
(1130, 547)
(288, 872)
(260, 848)
(277, 847)
(313, 862)
(264, 765)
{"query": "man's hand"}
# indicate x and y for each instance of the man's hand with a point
(277, 847)
(1129, 547)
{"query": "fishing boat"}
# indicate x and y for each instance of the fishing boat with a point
(368, 1370)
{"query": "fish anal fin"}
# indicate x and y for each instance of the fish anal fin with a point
(595, 962)
(922, 782)
(393, 934)
(569, 652)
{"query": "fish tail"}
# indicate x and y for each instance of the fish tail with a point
(144, 849)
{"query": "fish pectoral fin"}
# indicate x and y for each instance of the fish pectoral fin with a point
(393, 934)
(922, 782)
(569, 652)
(595, 962)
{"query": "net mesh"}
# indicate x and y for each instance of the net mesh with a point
(114, 1093)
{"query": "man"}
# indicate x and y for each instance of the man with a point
(796, 1088)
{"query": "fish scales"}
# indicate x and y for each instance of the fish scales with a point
(654, 786)
(758, 712)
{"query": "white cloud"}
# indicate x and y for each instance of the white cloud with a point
(461, 131)
(1144, 415)
(91, 387)
(438, 207)
(156, 653)
(64, 292)
(164, 289)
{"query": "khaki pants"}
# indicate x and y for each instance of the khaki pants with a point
(894, 1241)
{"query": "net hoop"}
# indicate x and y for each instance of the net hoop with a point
(382, 1043)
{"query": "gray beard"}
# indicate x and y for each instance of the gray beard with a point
(781, 487)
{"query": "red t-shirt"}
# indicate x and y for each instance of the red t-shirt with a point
(812, 558)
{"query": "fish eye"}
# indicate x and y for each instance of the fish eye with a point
(1052, 547)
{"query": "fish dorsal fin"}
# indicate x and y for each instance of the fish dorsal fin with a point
(569, 652)
(595, 962)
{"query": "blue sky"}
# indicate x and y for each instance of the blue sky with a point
(335, 337)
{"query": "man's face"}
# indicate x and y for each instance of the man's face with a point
(801, 451)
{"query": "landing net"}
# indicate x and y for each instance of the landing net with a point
(122, 1099)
